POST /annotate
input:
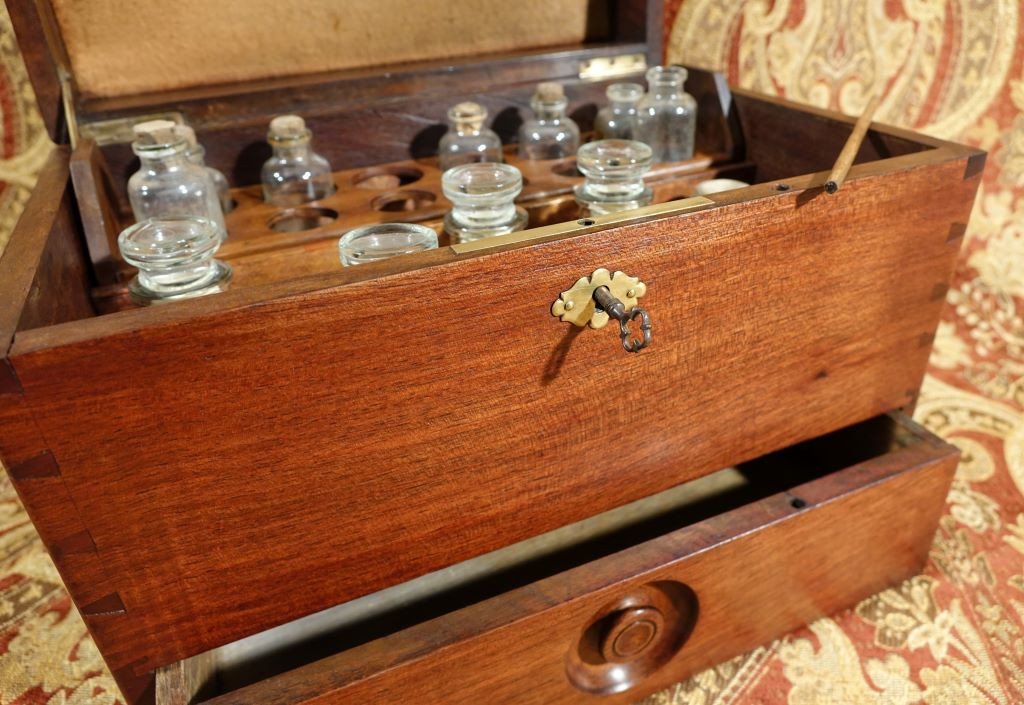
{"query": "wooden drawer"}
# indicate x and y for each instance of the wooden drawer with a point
(622, 605)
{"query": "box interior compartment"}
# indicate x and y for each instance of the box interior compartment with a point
(741, 136)
(375, 616)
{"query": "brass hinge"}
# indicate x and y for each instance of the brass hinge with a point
(605, 67)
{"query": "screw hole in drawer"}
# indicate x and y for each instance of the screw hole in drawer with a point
(782, 187)
(585, 222)
(797, 503)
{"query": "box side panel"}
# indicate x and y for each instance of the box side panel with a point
(247, 467)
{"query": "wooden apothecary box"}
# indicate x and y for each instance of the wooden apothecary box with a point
(207, 470)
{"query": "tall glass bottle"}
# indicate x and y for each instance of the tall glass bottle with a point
(167, 182)
(468, 139)
(550, 134)
(295, 174)
(197, 155)
(617, 120)
(667, 116)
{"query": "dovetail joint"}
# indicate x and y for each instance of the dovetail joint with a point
(35, 468)
(109, 605)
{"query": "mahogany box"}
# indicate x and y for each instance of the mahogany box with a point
(409, 480)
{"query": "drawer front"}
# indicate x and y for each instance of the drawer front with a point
(239, 469)
(634, 622)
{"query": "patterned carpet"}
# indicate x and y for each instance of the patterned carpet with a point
(952, 68)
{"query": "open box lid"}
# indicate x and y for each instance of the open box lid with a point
(102, 60)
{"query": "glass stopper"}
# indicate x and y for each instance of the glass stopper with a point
(174, 256)
(372, 243)
(614, 171)
(483, 200)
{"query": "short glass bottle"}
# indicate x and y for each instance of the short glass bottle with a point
(468, 140)
(483, 201)
(373, 243)
(174, 256)
(295, 174)
(197, 155)
(667, 116)
(550, 134)
(617, 120)
(168, 183)
(614, 171)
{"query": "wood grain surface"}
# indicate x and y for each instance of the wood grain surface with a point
(32, 22)
(375, 417)
(44, 275)
(755, 572)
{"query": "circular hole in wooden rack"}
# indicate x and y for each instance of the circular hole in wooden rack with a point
(295, 220)
(567, 168)
(632, 637)
(381, 178)
(404, 201)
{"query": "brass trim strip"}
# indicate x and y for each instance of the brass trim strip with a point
(119, 130)
(601, 68)
(573, 226)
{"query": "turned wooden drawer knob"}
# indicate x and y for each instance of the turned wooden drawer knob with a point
(630, 632)
(631, 637)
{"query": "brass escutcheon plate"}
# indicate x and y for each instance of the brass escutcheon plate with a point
(577, 306)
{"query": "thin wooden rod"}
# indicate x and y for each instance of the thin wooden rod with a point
(852, 146)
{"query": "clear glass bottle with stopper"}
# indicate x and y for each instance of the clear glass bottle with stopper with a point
(667, 116)
(550, 134)
(295, 174)
(168, 183)
(468, 139)
(197, 155)
(617, 120)
(614, 171)
(483, 201)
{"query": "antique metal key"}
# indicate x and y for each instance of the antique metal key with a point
(596, 299)
(617, 310)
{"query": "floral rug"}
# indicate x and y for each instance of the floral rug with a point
(952, 68)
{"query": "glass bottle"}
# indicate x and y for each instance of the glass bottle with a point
(614, 171)
(167, 182)
(372, 243)
(483, 201)
(617, 120)
(550, 134)
(667, 116)
(174, 256)
(295, 174)
(468, 139)
(196, 154)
